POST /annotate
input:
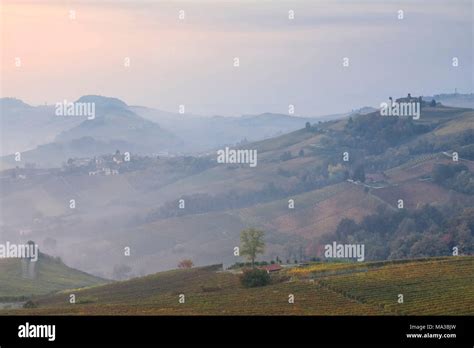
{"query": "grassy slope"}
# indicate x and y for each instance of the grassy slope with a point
(52, 275)
(430, 286)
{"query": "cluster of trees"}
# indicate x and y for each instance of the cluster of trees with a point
(358, 173)
(454, 176)
(462, 143)
(467, 151)
(424, 232)
(379, 142)
(202, 202)
(192, 165)
(313, 128)
(376, 134)
(239, 265)
(286, 156)
(305, 180)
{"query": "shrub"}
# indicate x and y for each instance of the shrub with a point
(185, 264)
(252, 278)
(30, 304)
(87, 300)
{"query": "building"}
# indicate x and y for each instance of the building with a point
(410, 99)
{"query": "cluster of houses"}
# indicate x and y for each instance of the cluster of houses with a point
(410, 99)
(98, 166)
(102, 169)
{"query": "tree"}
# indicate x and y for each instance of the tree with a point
(443, 172)
(186, 263)
(251, 243)
(285, 156)
(346, 227)
(350, 122)
(359, 173)
(252, 278)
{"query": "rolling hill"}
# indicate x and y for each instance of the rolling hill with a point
(207, 133)
(113, 126)
(439, 286)
(40, 124)
(138, 207)
(453, 99)
(51, 275)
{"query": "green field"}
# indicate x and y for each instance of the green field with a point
(433, 286)
(51, 275)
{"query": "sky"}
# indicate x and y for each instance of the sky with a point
(69, 49)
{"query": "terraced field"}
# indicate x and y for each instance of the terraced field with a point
(429, 286)
(442, 286)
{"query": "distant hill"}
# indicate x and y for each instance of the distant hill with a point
(436, 286)
(51, 275)
(102, 103)
(115, 123)
(453, 99)
(61, 137)
(201, 134)
(53, 139)
(25, 127)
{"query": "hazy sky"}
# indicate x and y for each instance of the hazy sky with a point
(190, 61)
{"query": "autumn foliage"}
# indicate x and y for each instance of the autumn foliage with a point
(185, 264)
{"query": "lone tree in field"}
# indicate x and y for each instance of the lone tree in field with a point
(251, 243)
(185, 264)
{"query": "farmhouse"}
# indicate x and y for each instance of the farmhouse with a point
(410, 99)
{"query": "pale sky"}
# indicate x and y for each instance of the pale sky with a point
(190, 61)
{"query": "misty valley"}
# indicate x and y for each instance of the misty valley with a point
(243, 158)
(389, 185)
